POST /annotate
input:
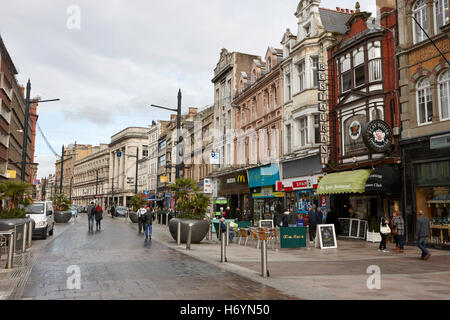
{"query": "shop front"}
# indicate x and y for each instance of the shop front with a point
(426, 185)
(234, 188)
(300, 181)
(348, 199)
(266, 202)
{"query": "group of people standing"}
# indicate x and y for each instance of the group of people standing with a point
(396, 227)
(94, 211)
(315, 217)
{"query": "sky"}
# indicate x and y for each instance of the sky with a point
(109, 60)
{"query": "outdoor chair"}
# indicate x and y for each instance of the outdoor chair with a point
(254, 236)
(243, 235)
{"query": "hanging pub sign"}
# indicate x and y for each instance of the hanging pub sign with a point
(323, 114)
(377, 136)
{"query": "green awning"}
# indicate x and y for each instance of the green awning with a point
(344, 182)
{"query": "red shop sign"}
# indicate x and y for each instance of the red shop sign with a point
(300, 184)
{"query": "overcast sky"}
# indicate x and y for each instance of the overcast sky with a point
(130, 54)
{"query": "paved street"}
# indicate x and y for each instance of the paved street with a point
(116, 264)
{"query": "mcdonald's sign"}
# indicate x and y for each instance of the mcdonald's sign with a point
(241, 179)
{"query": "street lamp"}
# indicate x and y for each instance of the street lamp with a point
(25, 127)
(178, 111)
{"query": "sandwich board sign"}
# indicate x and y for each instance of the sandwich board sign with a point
(326, 237)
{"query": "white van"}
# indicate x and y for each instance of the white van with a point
(41, 212)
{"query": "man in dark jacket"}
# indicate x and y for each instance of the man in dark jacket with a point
(113, 211)
(148, 219)
(98, 216)
(292, 218)
(422, 234)
(91, 211)
(315, 218)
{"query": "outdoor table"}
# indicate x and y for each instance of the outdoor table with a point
(441, 228)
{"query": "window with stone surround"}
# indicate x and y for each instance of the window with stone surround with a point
(440, 14)
(424, 102)
(420, 13)
(444, 95)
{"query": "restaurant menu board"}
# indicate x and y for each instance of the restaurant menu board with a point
(354, 228)
(362, 229)
(327, 236)
(345, 227)
(266, 223)
(293, 237)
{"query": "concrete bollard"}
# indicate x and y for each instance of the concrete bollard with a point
(189, 239)
(223, 251)
(228, 234)
(12, 240)
(179, 233)
(30, 233)
(24, 236)
(264, 271)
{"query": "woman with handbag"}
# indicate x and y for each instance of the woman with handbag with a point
(384, 231)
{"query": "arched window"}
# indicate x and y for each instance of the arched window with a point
(444, 95)
(420, 13)
(441, 14)
(424, 102)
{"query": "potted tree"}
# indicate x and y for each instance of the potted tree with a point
(137, 202)
(62, 208)
(191, 209)
(15, 200)
(373, 232)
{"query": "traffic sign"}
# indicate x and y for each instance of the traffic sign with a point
(119, 154)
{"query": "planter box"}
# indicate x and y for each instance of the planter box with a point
(200, 229)
(63, 216)
(134, 217)
(373, 237)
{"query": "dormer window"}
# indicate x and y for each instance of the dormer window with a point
(269, 64)
(307, 30)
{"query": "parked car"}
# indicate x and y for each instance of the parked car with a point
(121, 212)
(80, 209)
(42, 213)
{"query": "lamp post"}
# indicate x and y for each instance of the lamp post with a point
(25, 128)
(178, 111)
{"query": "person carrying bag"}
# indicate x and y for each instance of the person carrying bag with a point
(384, 231)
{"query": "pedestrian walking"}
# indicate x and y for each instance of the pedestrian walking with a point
(292, 219)
(315, 218)
(98, 217)
(91, 214)
(422, 234)
(227, 213)
(384, 232)
(148, 219)
(141, 212)
(238, 214)
(113, 211)
(399, 229)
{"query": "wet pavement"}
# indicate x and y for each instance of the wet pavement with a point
(116, 263)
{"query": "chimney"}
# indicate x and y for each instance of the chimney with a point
(352, 11)
(22, 90)
(338, 9)
(173, 117)
(192, 111)
(347, 11)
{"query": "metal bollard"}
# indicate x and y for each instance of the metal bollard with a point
(228, 234)
(210, 231)
(264, 271)
(223, 251)
(167, 219)
(30, 233)
(179, 233)
(12, 240)
(189, 239)
(24, 240)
